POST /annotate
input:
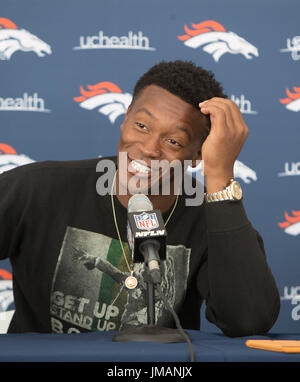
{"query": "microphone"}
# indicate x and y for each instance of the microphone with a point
(146, 234)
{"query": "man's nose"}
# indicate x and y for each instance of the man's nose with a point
(151, 147)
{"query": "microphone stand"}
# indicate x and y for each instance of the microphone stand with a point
(150, 303)
(149, 332)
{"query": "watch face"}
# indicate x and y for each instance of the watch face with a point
(236, 190)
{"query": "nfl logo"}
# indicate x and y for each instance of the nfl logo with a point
(146, 221)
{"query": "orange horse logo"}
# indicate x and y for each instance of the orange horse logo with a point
(106, 96)
(215, 40)
(292, 224)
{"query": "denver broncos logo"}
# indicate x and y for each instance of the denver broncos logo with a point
(107, 96)
(214, 39)
(240, 171)
(9, 158)
(13, 39)
(293, 101)
(6, 292)
(292, 224)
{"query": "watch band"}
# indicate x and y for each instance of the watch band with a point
(218, 196)
(232, 192)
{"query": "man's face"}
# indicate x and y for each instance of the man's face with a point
(159, 126)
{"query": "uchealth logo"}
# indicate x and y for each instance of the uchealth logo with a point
(213, 38)
(107, 97)
(13, 39)
(293, 47)
(135, 41)
(292, 293)
(291, 169)
(240, 171)
(292, 102)
(243, 103)
(27, 102)
(6, 290)
(10, 159)
(291, 225)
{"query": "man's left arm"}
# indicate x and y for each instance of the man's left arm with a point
(243, 298)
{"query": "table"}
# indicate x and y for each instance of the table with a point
(98, 347)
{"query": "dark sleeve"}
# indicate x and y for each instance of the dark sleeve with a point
(240, 291)
(12, 209)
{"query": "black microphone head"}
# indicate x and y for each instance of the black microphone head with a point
(139, 202)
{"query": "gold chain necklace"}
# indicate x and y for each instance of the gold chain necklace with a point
(131, 281)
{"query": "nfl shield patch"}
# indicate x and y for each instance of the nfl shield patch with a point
(146, 221)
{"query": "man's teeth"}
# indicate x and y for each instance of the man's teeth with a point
(139, 167)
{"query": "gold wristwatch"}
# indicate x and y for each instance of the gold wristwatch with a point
(232, 192)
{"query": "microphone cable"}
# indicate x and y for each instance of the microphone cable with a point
(177, 322)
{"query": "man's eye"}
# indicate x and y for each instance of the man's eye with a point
(175, 143)
(141, 125)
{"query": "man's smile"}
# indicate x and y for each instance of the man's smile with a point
(139, 168)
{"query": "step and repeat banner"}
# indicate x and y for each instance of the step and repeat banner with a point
(67, 72)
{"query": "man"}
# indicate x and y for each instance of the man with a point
(72, 267)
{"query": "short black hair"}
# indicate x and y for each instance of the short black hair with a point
(191, 83)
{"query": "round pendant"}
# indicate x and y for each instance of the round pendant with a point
(131, 282)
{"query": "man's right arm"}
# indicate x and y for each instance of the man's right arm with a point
(11, 210)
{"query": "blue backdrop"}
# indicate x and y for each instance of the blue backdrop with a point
(68, 68)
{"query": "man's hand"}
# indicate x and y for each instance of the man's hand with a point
(224, 142)
(88, 260)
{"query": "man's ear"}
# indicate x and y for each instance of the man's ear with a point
(125, 118)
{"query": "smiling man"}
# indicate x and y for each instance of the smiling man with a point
(73, 270)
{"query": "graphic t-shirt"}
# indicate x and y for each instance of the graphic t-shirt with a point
(90, 275)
